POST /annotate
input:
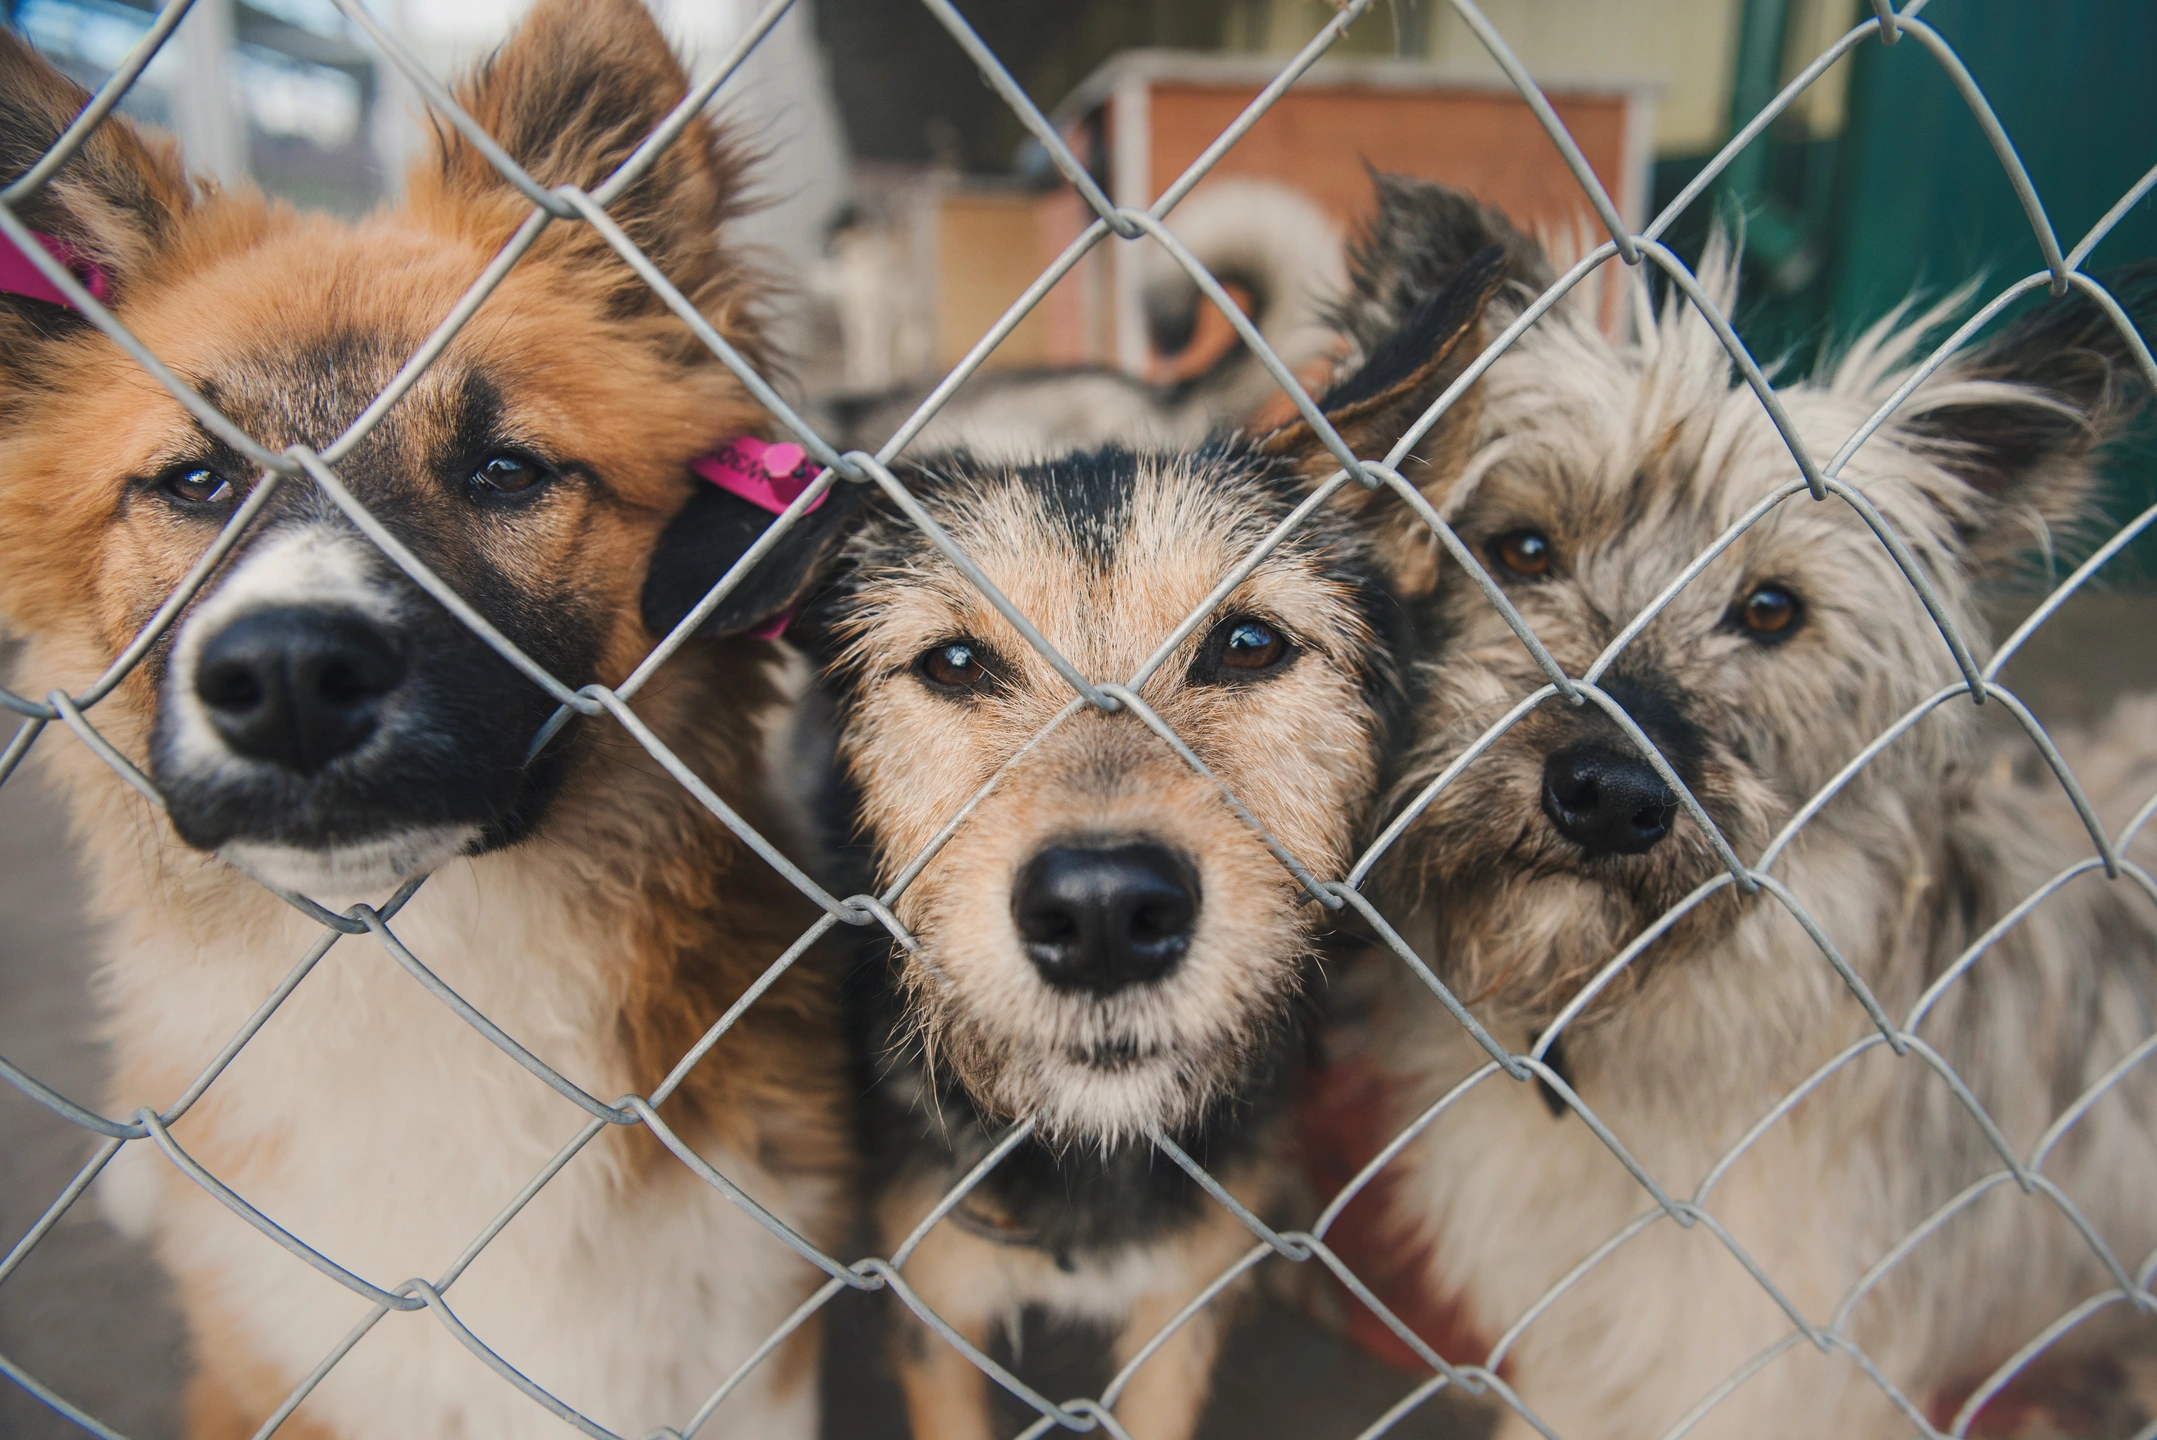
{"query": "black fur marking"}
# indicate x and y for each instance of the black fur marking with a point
(1090, 496)
(450, 748)
(1422, 236)
(1554, 1060)
(476, 430)
(712, 532)
(1411, 344)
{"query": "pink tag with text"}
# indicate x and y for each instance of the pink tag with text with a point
(768, 476)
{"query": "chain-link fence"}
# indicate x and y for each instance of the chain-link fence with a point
(1817, 481)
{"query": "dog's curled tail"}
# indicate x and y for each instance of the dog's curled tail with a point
(1271, 243)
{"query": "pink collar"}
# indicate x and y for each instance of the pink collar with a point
(19, 274)
(768, 476)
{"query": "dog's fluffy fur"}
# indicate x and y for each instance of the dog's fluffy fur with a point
(1107, 552)
(1630, 459)
(586, 904)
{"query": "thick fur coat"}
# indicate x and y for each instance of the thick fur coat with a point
(1599, 470)
(585, 902)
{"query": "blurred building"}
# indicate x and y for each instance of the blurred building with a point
(284, 92)
(1829, 203)
(267, 88)
(1875, 182)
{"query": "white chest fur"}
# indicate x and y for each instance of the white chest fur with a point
(383, 1130)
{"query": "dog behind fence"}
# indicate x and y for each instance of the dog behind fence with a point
(538, 214)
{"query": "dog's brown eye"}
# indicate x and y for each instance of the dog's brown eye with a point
(1243, 648)
(197, 486)
(1253, 645)
(1524, 552)
(506, 474)
(1770, 612)
(958, 666)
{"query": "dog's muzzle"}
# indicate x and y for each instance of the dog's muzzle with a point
(1606, 801)
(1102, 917)
(325, 727)
(298, 686)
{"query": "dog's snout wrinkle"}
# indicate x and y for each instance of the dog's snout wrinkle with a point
(1101, 918)
(297, 686)
(1659, 709)
(1606, 801)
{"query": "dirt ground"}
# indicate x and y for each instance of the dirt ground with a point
(89, 1315)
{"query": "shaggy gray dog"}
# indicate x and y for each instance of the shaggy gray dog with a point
(1561, 887)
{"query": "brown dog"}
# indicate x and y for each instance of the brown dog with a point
(315, 716)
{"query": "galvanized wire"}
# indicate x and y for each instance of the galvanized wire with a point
(1119, 702)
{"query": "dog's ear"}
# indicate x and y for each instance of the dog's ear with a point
(713, 531)
(2021, 423)
(1419, 238)
(115, 205)
(1403, 372)
(1422, 272)
(570, 95)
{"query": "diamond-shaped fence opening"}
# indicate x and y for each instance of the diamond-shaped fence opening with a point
(1815, 479)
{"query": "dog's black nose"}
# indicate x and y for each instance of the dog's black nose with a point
(298, 686)
(1102, 918)
(1606, 801)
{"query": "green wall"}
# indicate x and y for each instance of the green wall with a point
(1923, 201)
(1923, 198)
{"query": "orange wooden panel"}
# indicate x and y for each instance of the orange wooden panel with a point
(1076, 318)
(988, 252)
(1318, 140)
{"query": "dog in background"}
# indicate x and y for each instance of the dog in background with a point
(1598, 471)
(1103, 945)
(1276, 254)
(317, 718)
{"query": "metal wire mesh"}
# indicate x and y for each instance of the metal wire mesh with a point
(1816, 481)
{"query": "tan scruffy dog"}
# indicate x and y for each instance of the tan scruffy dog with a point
(317, 717)
(1599, 471)
(1105, 946)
